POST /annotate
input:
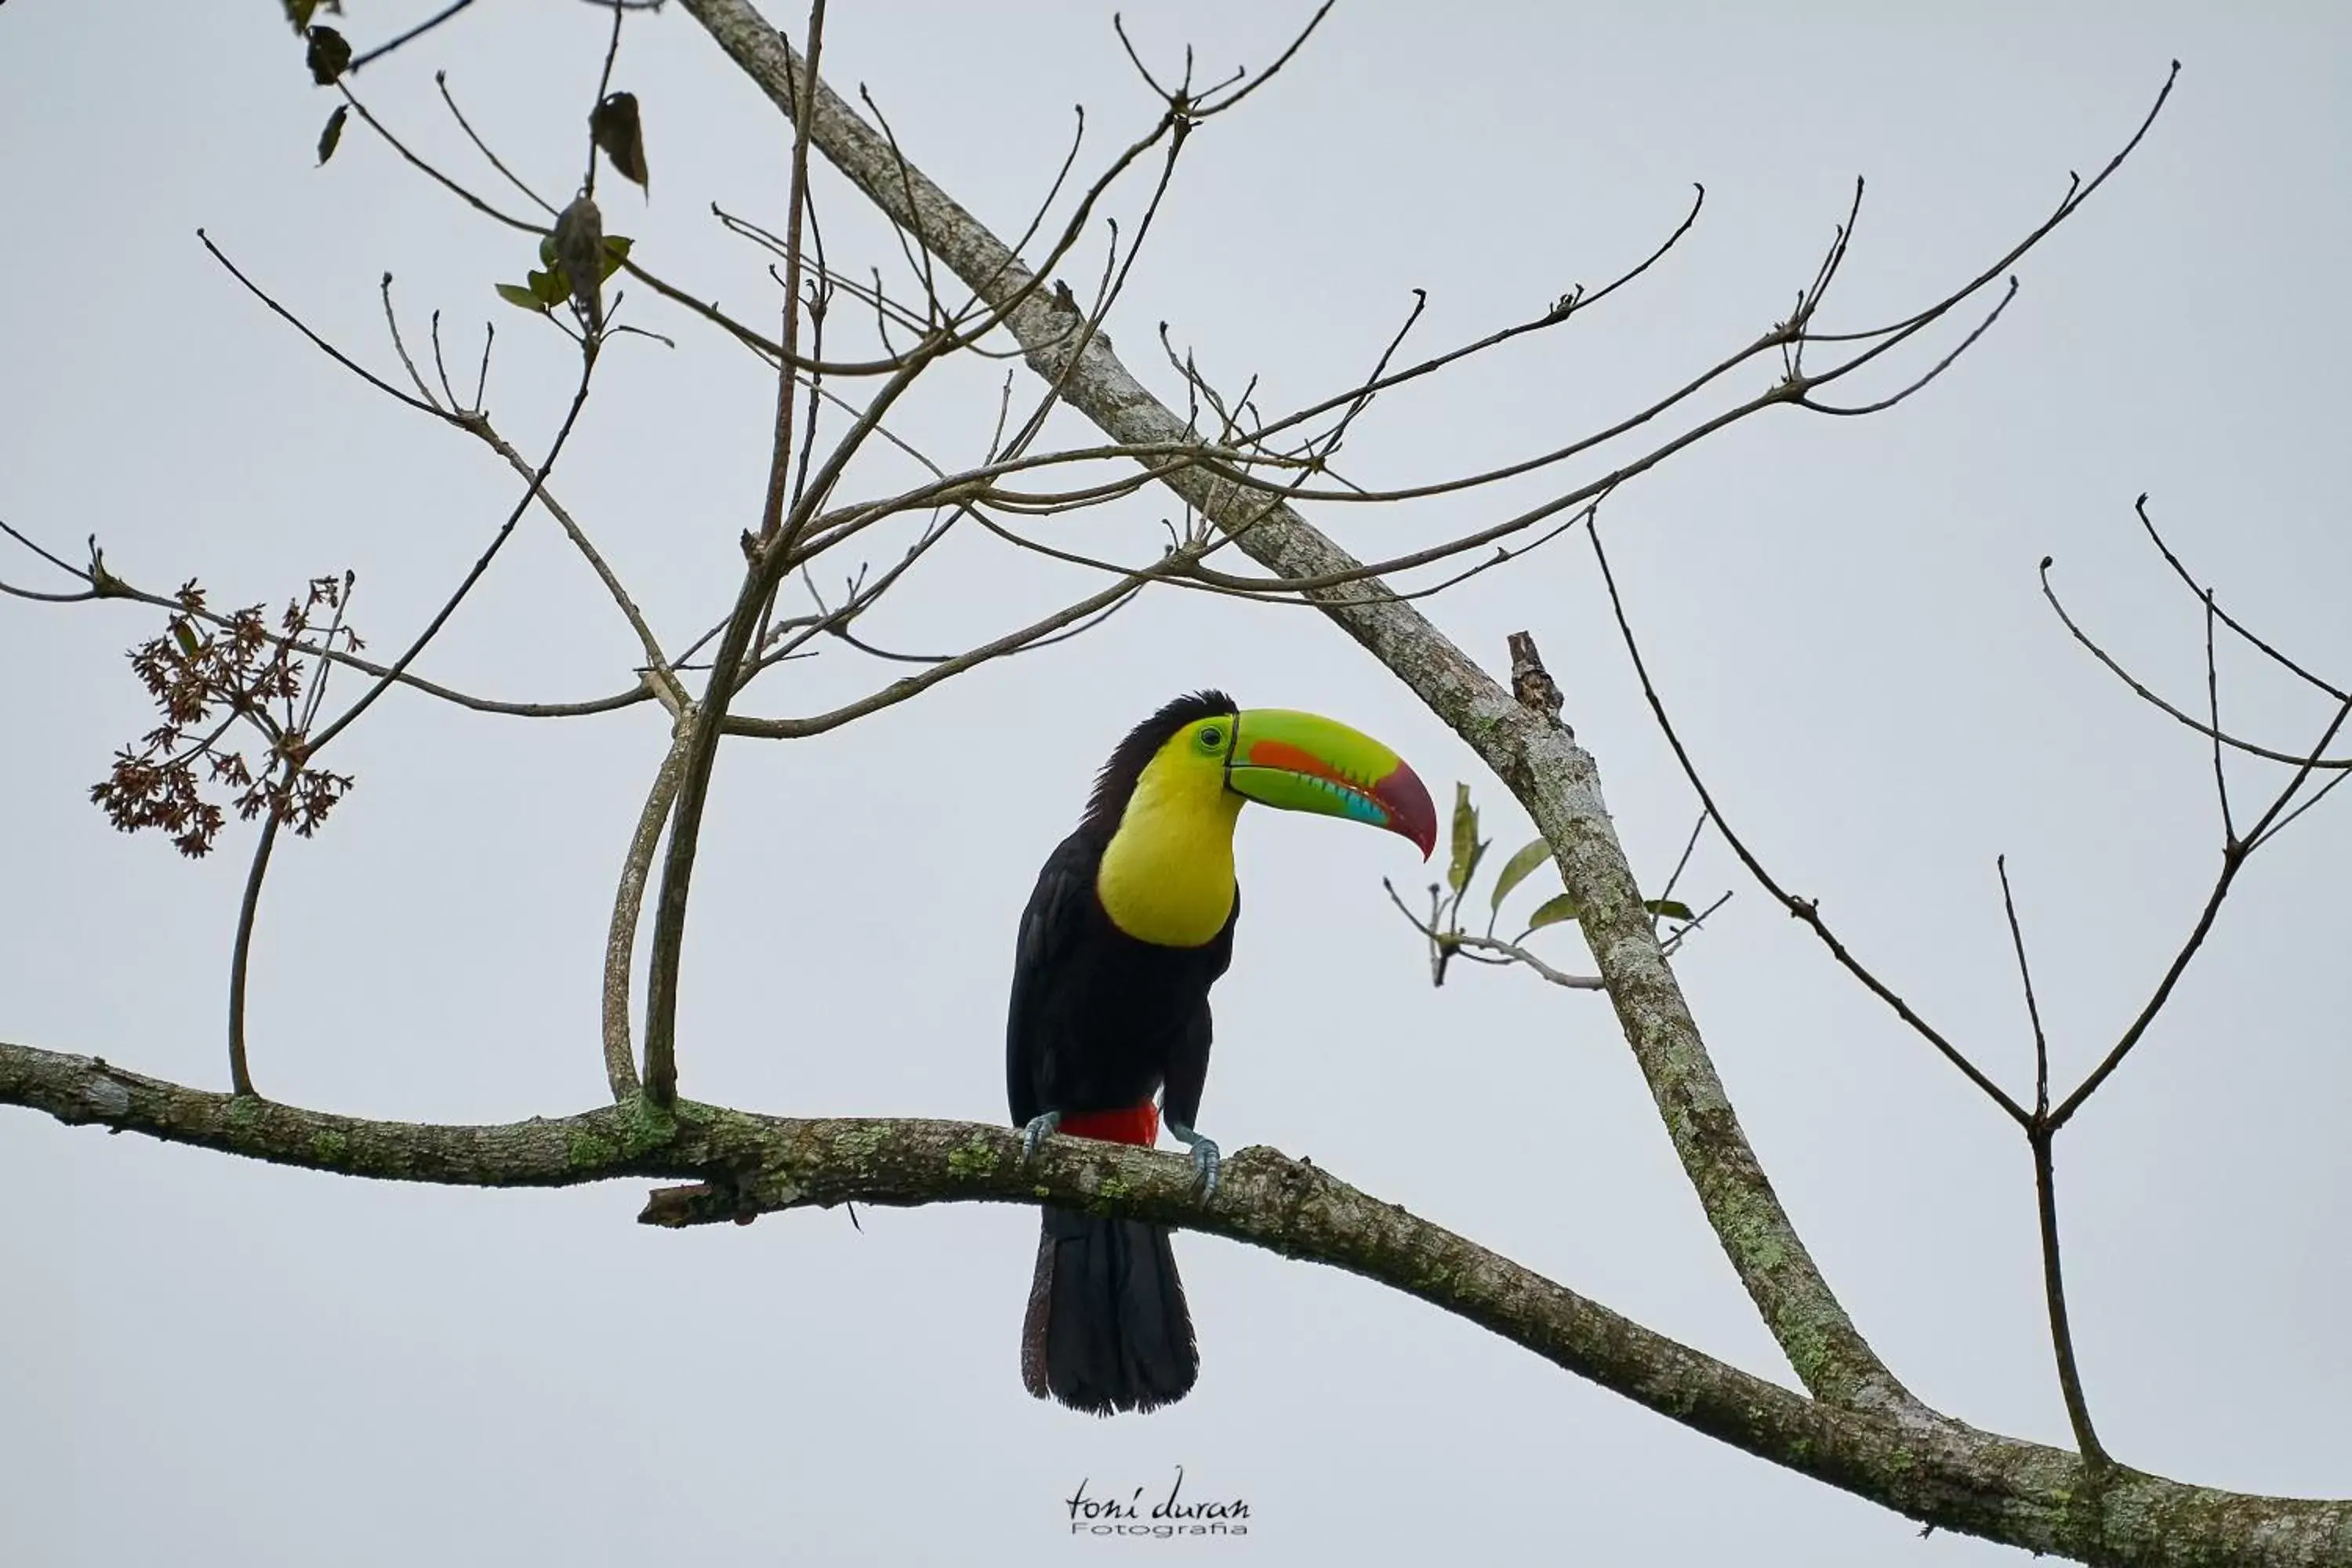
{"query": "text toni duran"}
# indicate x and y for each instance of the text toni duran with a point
(1171, 1516)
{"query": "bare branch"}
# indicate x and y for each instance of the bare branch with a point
(2032, 1007)
(2205, 594)
(418, 31)
(899, 691)
(771, 514)
(423, 406)
(2053, 1281)
(1805, 909)
(1511, 953)
(628, 900)
(466, 586)
(2234, 855)
(2140, 690)
(441, 80)
(1929, 1467)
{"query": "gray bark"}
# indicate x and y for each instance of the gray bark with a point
(1938, 1471)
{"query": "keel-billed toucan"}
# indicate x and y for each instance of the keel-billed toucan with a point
(1131, 923)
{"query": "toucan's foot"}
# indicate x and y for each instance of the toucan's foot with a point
(1205, 1157)
(1037, 1129)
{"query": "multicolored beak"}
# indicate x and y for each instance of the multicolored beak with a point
(1304, 762)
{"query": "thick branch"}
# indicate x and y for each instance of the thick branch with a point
(1533, 753)
(1937, 1471)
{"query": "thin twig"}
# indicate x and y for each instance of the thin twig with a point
(2234, 856)
(412, 34)
(2213, 715)
(441, 80)
(2140, 508)
(603, 86)
(1682, 861)
(2139, 689)
(2032, 1007)
(423, 406)
(498, 541)
(1508, 952)
(899, 691)
(1805, 909)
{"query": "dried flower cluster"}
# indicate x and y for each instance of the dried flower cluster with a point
(209, 673)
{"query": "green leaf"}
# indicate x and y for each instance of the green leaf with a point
(185, 634)
(298, 13)
(1672, 909)
(613, 125)
(515, 294)
(549, 288)
(333, 133)
(1465, 840)
(1552, 911)
(616, 250)
(329, 56)
(547, 250)
(1519, 867)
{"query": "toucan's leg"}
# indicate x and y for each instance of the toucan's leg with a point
(1180, 1100)
(1038, 1127)
(1205, 1157)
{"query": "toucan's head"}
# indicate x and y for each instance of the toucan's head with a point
(1204, 746)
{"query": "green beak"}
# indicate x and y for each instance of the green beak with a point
(1304, 762)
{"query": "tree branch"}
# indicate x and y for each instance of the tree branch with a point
(1940, 1472)
(241, 1074)
(628, 903)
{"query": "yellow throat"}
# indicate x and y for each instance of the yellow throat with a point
(1167, 877)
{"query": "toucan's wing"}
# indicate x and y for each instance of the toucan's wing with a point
(1059, 911)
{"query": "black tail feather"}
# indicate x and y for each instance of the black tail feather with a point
(1107, 1328)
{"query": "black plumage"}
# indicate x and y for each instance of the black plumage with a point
(1099, 1022)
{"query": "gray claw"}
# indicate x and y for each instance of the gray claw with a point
(1205, 1156)
(1037, 1129)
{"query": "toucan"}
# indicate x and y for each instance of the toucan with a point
(1131, 924)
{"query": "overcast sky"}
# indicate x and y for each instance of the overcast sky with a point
(211, 1361)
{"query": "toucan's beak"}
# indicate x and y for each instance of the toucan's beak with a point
(1303, 761)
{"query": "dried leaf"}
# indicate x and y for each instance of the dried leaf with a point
(615, 126)
(333, 133)
(329, 56)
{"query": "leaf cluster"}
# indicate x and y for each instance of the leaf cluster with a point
(548, 285)
(1466, 855)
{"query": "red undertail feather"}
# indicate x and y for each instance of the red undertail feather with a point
(1136, 1124)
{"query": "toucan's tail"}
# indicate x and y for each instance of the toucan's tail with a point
(1107, 1328)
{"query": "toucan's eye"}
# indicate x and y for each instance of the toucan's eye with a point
(1212, 738)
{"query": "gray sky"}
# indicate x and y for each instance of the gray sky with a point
(216, 1362)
